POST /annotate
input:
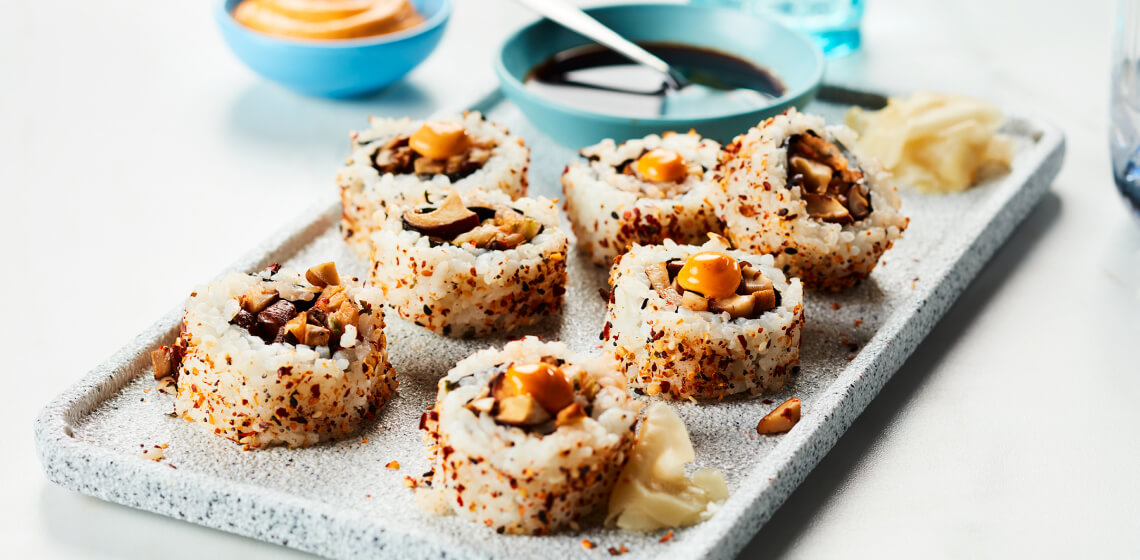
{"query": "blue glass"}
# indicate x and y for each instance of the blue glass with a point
(1124, 137)
(834, 24)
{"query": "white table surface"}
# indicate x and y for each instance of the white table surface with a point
(127, 129)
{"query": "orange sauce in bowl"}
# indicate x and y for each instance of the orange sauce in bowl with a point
(327, 19)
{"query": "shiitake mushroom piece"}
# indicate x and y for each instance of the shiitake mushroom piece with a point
(827, 208)
(450, 219)
(816, 175)
(858, 203)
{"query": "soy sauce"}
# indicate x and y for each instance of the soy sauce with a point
(597, 79)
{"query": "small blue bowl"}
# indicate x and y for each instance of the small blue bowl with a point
(336, 68)
(788, 54)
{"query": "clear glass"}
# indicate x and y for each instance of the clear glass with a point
(1124, 137)
(834, 24)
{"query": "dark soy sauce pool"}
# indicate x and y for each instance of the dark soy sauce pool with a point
(596, 79)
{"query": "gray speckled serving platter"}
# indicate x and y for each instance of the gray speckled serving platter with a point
(339, 500)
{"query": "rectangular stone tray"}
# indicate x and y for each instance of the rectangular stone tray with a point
(338, 499)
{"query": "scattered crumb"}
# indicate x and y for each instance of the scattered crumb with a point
(618, 551)
(410, 482)
(858, 322)
(147, 390)
(394, 465)
(835, 307)
(164, 446)
(668, 537)
(767, 401)
(365, 440)
(172, 466)
(850, 358)
(368, 495)
(588, 544)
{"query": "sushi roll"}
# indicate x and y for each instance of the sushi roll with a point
(702, 322)
(397, 160)
(642, 191)
(792, 189)
(529, 438)
(280, 357)
(473, 263)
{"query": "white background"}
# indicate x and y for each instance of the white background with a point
(140, 158)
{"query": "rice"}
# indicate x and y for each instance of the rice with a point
(524, 481)
(762, 215)
(259, 393)
(674, 351)
(611, 210)
(365, 190)
(463, 290)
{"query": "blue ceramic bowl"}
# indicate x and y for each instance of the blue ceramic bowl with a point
(788, 54)
(336, 68)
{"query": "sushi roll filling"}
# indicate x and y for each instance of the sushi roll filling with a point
(536, 397)
(833, 188)
(660, 173)
(437, 148)
(313, 316)
(715, 282)
(493, 228)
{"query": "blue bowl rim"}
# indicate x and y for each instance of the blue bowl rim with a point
(790, 97)
(226, 17)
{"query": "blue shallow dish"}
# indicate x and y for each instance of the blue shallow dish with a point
(788, 54)
(336, 68)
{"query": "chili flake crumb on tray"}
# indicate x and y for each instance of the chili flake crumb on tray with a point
(668, 537)
(394, 465)
(588, 544)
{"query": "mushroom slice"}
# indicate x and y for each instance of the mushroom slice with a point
(569, 415)
(480, 236)
(858, 203)
(659, 278)
(449, 220)
(780, 420)
(694, 301)
(754, 281)
(485, 404)
(316, 336)
(521, 410)
(323, 274)
(257, 298)
(735, 305)
(826, 208)
(425, 166)
(816, 175)
(763, 300)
